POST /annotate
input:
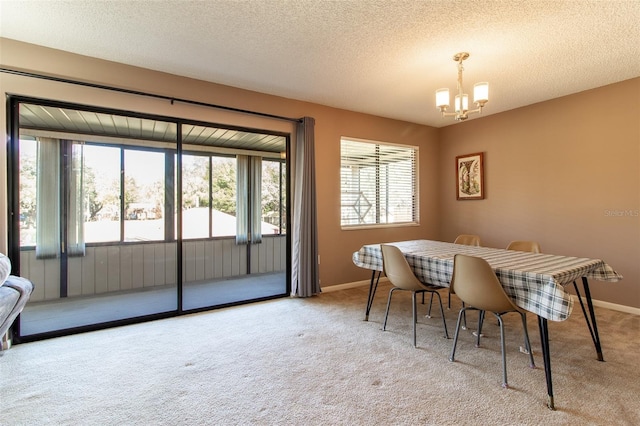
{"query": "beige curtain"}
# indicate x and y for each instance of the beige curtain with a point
(256, 200)
(242, 199)
(248, 199)
(48, 198)
(75, 225)
(49, 202)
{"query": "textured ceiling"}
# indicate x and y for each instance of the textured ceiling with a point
(380, 57)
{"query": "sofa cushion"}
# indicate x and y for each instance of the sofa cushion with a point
(8, 301)
(5, 268)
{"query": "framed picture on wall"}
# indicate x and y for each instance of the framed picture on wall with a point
(470, 176)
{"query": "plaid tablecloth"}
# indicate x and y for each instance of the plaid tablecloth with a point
(535, 281)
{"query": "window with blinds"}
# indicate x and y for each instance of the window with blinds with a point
(378, 183)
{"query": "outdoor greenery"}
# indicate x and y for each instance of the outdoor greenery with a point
(206, 179)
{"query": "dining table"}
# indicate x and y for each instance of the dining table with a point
(536, 282)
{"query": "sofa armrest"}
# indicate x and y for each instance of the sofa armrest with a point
(14, 295)
(19, 284)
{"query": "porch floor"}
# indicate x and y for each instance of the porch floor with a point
(69, 313)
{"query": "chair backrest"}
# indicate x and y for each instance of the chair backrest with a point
(467, 240)
(530, 246)
(397, 269)
(475, 283)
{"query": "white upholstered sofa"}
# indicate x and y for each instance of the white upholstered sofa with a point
(14, 295)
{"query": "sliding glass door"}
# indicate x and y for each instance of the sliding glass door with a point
(234, 245)
(121, 217)
(91, 207)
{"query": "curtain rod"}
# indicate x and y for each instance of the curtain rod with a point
(140, 93)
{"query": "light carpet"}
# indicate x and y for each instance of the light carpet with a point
(315, 361)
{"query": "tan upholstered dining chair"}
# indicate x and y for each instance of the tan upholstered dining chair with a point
(401, 276)
(478, 287)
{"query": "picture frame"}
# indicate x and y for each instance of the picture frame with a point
(470, 176)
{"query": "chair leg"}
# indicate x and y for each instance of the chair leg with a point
(504, 353)
(464, 318)
(452, 357)
(527, 343)
(415, 316)
(386, 314)
(444, 322)
(479, 332)
(430, 304)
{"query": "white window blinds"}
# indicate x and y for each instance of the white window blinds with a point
(378, 183)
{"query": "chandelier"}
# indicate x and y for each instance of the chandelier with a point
(480, 95)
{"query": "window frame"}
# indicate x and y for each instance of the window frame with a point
(376, 203)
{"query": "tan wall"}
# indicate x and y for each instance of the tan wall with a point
(335, 245)
(565, 172)
(553, 170)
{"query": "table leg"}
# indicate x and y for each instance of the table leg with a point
(593, 327)
(373, 285)
(544, 340)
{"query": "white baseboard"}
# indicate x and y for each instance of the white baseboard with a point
(609, 305)
(350, 285)
(600, 303)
